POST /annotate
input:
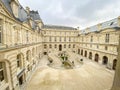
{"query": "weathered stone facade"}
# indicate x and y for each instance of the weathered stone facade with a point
(24, 39)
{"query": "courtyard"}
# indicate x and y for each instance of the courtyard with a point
(89, 76)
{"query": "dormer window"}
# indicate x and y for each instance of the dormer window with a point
(111, 23)
(15, 7)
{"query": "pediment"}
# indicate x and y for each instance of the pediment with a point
(26, 24)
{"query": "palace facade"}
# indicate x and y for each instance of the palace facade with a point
(24, 39)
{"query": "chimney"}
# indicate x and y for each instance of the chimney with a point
(28, 10)
(99, 26)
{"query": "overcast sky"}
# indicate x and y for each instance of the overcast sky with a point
(82, 13)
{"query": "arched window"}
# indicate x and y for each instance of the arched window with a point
(105, 60)
(45, 46)
(28, 55)
(55, 46)
(50, 46)
(2, 71)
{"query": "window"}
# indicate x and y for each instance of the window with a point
(69, 39)
(64, 45)
(69, 46)
(55, 39)
(82, 39)
(27, 36)
(50, 39)
(97, 47)
(44, 32)
(64, 39)
(2, 77)
(18, 60)
(91, 38)
(50, 46)
(107, 38)
(60, 39)
(73, 45)
(55, 46)
(0, 34)
(45, 46)
(91, 45)
(106, 48)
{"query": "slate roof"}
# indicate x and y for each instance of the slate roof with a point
(22, 14)
(7, 5)
(108, 24)
(58, 27)
(35, 15)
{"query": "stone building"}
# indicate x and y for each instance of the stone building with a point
(100, 43)
(59, 38)
(24, 39)
(20, 43)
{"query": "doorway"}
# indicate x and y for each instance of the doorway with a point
(96, 57)
(60, 47)
(114, 64)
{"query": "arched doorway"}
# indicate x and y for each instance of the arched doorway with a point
(60, 47)
(90, 55)
(105, 60)
(20, 66)
(114, 64)
(81, 52)
(96, 57)
(85, 53)
(78, 51)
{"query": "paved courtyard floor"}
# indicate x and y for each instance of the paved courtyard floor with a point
(90, 76)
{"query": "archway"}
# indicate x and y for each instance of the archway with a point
(78, 51)
(105, 60)
(85, 53)
(20, 60)
(96, 57)
(90, 55)
(28, 55)
(81, 52)
(114, 64)
(60, 47)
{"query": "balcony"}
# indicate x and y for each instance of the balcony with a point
(4, 47)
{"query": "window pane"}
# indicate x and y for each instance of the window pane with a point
(1, 76)
(1, 65)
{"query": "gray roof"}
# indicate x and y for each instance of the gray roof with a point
(58, 27)
(22, 14)
(7, 5)
(108, 24)
(35, 15)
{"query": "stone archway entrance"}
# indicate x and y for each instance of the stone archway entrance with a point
(20, 80)
(60, 47)
(114, 64)
(78, 51)
(90, 55)
(96, 57)
(81, 52)
(85, 53)
(105, 60)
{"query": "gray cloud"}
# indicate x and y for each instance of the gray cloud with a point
(74, 13)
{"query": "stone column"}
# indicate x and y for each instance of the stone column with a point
(116, 83)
